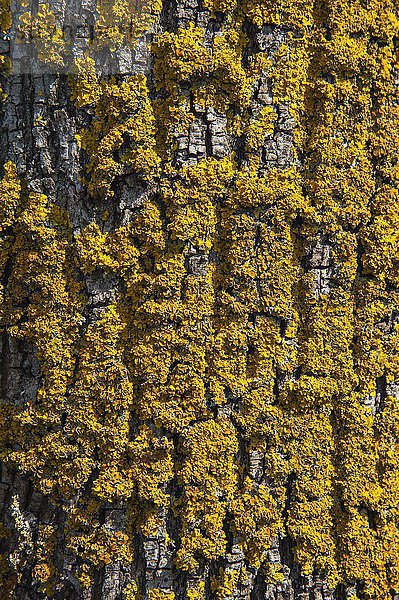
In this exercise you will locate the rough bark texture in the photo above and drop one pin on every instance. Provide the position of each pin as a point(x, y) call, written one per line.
point(199, 300)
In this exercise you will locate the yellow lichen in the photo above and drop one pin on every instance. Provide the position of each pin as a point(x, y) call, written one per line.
point(84, 82)
point(224, 585)
point(208, 475)
point(123, 115)
point(5, 15)
point(42, 30)
point(124, 21)
point(159, 594)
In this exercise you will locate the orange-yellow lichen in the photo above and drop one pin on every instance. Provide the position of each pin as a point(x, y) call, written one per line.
point(208, 475)
point(123, 116)
point(5, 15)
point(159, 594)
point(124, 21)
point(42, 31)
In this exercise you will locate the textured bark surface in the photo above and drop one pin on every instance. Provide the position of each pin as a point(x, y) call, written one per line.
point(200, 301)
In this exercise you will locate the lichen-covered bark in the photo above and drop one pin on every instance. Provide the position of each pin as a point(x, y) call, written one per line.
point(199, 252)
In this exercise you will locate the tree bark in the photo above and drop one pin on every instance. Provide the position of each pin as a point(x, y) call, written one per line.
point(199, 300)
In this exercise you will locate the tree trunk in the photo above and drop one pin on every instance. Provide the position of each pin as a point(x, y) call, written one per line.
point(199, 229)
